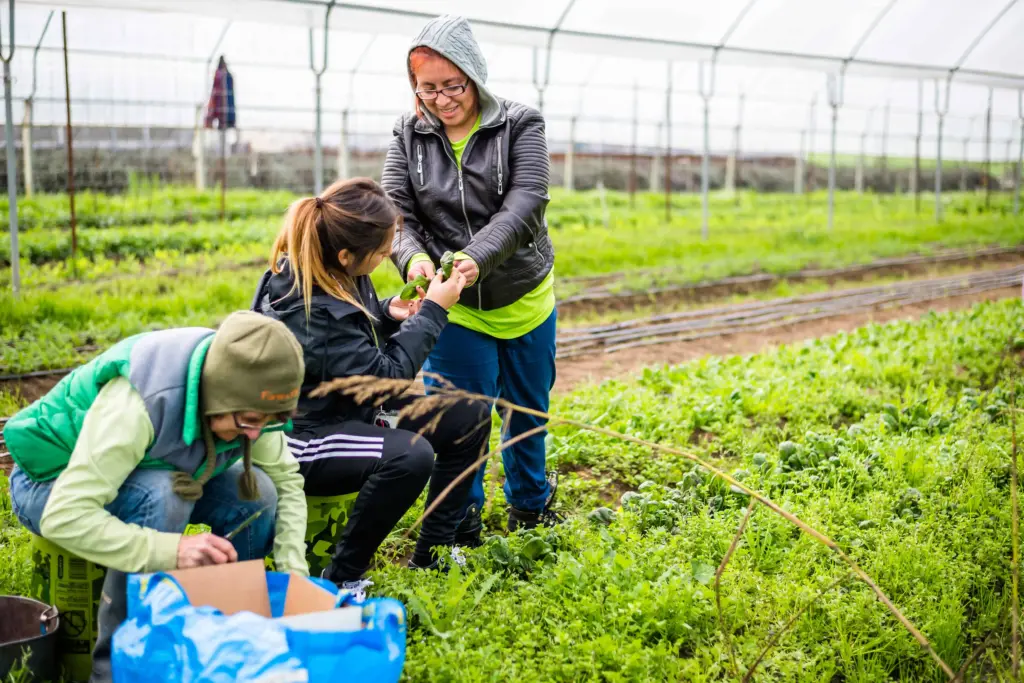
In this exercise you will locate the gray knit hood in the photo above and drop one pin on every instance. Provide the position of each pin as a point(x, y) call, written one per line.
point(452, 37)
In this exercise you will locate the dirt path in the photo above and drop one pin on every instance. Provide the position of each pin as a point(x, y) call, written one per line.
point(700, 293)
point(581, 370)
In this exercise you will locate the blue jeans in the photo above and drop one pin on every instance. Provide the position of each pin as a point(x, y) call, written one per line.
point(521, 371)
point(145, 498)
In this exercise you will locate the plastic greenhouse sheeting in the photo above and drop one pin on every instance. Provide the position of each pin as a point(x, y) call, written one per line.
point(144, 62)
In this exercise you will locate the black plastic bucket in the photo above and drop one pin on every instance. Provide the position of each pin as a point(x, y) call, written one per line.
point(28, 625)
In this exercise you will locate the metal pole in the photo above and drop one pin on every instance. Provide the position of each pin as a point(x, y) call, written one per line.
point(1008, 155)
point(1020, 155)
point(344, 148)
point(798, 169)
point(941, 109)
point(810, 147)
point(537, 82)
point(835, 100)
point(917, 147)
point(632, 152)
point(655, 179)
point(668, 145)
point(26, 128)
point(570, 157)
point(344, 154)
point(200, 130)
point(318, 151)
point(885, 149)
point(736, 179)
point(858, 180)
point(963, 160)
point(988, 152)
point(223, 168)
point(71, 155)
point(12, 178)
point(707, 91)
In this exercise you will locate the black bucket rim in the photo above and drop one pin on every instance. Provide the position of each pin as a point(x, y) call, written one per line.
point(52, 622)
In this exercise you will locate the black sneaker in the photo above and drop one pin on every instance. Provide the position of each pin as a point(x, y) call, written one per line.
point(455, 556)
point(357, 587)
point(468, 532)
point(521, 519)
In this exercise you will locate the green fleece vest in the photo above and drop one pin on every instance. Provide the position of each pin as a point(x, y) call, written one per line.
point(164, 368)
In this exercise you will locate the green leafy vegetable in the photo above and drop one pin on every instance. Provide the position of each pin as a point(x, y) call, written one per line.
point(409, 291)
point(447, 262)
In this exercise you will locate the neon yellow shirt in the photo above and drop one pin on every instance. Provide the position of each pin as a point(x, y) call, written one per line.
point(509, 322)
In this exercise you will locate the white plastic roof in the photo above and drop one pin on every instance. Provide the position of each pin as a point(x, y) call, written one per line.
point(138, 62)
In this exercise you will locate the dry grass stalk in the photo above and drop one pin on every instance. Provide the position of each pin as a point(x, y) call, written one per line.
point(468, 471)
point(980, 649)
point(364, 388)
point(718, 581)
point(761, 498)
point(492, 489)
point(789, 624)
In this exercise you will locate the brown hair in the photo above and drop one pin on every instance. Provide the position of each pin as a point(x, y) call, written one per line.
point(353, 214)
point(419, 56)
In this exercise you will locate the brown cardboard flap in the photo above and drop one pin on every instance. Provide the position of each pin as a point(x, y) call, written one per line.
point(233, 587)
point(305, 596)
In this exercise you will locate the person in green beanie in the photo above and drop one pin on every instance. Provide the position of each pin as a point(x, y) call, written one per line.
point(162, 430)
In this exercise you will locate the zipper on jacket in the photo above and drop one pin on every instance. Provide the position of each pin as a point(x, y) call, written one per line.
point(462, 193)
point(462, 199)
point(500, 174)
point(419, 162)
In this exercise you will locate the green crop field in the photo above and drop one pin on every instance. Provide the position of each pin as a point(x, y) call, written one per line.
point(133, 277)
point(894, 441)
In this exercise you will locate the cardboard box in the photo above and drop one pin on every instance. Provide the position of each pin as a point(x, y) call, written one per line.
point(242, 587)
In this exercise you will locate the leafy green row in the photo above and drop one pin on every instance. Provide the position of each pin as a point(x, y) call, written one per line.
point(152, 205)
point(43, 328)
point(138, 243)
point(903, 437)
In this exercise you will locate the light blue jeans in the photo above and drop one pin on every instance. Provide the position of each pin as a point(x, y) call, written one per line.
point(146, 498)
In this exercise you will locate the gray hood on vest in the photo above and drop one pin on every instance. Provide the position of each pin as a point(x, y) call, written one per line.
point(452, 37)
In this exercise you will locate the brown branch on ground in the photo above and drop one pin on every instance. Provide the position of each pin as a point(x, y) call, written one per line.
point(718, 581)
point(468, 471)
point(980, 649)
point(761, 498)
point(789, 624)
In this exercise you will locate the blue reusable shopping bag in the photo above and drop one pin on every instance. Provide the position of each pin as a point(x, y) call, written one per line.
point(166, 639)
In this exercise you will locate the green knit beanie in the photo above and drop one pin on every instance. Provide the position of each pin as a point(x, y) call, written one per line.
point(254, 364)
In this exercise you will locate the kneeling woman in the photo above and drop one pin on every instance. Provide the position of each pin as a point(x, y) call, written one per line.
point(162, 429)
point(319, 286)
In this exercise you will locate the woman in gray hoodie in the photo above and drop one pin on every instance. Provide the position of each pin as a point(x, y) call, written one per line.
point(469, 171)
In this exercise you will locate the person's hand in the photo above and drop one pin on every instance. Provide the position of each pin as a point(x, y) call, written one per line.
point(424, 268)
point(403, 310)
point(468, 268)
point(445, 294)
point(204, 549)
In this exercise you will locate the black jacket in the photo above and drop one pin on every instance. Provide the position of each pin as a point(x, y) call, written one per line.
point(339, 340)
point(493, 209)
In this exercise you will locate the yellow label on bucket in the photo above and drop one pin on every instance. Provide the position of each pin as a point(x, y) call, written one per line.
point(74, 586)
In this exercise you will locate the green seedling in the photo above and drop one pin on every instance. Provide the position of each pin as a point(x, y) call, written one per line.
point(409, 291)
point(447, 262)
